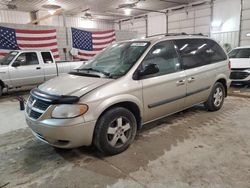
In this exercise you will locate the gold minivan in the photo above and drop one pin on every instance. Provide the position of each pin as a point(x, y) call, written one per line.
point(129, 84)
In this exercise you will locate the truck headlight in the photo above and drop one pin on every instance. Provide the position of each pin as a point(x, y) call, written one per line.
point(65, 111)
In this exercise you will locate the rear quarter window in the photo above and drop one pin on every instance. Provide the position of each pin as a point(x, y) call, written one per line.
point(199, 52)
point(47, 58)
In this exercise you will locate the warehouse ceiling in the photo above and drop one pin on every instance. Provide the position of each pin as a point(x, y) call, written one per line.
point(105, 9)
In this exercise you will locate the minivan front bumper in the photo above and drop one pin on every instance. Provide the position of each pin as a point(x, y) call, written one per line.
point(63, 136)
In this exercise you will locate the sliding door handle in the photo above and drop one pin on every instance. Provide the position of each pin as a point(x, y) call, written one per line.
point(192, 79)
point(180, 82)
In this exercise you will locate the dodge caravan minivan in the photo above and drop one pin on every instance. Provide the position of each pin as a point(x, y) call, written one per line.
point(129, 84)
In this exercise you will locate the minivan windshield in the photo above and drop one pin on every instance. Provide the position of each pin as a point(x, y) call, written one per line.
point(8, 58)
point(116, 60)
point(240, 53)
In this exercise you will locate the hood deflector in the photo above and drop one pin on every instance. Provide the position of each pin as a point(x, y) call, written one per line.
point(54, 99)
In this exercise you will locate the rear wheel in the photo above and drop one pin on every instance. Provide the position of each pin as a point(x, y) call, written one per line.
point(115, 131)
point(216, 97)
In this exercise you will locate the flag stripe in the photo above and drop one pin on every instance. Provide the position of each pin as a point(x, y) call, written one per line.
point(37, 45)
point(98, 37)
point(86, 54)
point(102, 32)
point(37, 42)
point(25, 31)
point(35, 38)
point(35, 35)
point(54, 50)
point(104, 43)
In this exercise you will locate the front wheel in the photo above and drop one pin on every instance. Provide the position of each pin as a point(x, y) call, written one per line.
point(216, 97)
point(115, 131)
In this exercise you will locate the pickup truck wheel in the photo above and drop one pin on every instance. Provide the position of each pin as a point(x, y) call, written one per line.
point(115, 131)
point(216, 97)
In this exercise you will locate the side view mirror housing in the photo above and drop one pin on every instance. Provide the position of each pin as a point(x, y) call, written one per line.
point(149, 69)
point(16, 64)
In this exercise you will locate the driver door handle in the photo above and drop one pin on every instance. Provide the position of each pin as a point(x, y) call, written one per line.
point(180, 82)
point(38, 68)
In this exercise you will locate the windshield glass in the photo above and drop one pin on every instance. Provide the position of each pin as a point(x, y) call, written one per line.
point(240, 53)
point(116, 60)
point(8, 58)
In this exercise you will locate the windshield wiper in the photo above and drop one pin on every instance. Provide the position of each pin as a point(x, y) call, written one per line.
point(95, 70)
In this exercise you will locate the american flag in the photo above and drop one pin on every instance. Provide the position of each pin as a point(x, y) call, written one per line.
point(87, 44)
point(18, 39)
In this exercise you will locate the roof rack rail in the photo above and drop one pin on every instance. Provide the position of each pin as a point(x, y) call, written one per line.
point(177, 34)
point(183, 33)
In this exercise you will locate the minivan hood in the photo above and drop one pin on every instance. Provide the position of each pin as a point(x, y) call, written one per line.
point(72, 85)
point(240, 63)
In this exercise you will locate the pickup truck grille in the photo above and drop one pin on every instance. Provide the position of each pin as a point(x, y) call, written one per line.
point(36, 107)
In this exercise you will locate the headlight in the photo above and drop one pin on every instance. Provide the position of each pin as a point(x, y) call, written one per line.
point(69, 111)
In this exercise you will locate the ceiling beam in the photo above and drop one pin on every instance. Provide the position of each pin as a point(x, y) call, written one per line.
point(148, 10)
point(59, 11)
point(178, 3)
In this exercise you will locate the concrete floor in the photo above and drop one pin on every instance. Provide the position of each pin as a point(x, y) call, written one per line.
point(194, 148)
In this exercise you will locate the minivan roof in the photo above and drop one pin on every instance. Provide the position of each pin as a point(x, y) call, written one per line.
point(168, 37)
point(242, 47)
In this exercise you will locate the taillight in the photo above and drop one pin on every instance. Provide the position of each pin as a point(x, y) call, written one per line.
point(229, 65)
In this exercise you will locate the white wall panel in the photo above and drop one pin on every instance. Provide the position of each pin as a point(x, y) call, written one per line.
point(245, 23)
point(9, 16)
point(231, 38)
point(137, 25)
point(193, 20)
point(228, 13)
point(157, 23)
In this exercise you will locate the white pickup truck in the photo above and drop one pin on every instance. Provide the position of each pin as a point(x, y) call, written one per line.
point(30, 67)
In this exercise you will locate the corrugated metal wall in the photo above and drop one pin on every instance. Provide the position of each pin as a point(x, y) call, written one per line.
point(245, 23)
point(195, 20)
point(18, 17)
point(231, 38)
point(138, 25)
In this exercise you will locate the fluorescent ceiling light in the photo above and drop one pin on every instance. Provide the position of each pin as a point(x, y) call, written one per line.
point(248, 34)
point(127, 11)
point(52, 12)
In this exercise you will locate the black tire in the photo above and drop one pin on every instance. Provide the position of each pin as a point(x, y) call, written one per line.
point(216, 100)
point(1, 90)
point(116, 121)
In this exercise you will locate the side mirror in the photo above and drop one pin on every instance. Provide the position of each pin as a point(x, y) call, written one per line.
point(149, 69)
point(16, 63)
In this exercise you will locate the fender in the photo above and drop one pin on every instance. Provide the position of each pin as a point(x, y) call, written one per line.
point(112, 101)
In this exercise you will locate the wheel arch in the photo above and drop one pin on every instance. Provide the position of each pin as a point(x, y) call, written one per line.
point(2, 84)
point(134, 106)
point(223, 81)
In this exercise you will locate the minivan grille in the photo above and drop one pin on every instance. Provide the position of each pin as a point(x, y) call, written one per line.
point(239, 75)
point(36, 107)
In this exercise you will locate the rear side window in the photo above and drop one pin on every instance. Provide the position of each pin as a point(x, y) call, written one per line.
point(240, 53)
point(47, 58)
point(199, 52)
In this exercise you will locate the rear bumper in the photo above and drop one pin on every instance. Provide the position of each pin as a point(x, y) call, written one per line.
point(66, 136)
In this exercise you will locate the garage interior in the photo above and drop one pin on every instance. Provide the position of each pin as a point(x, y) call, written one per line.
point(193, 148)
